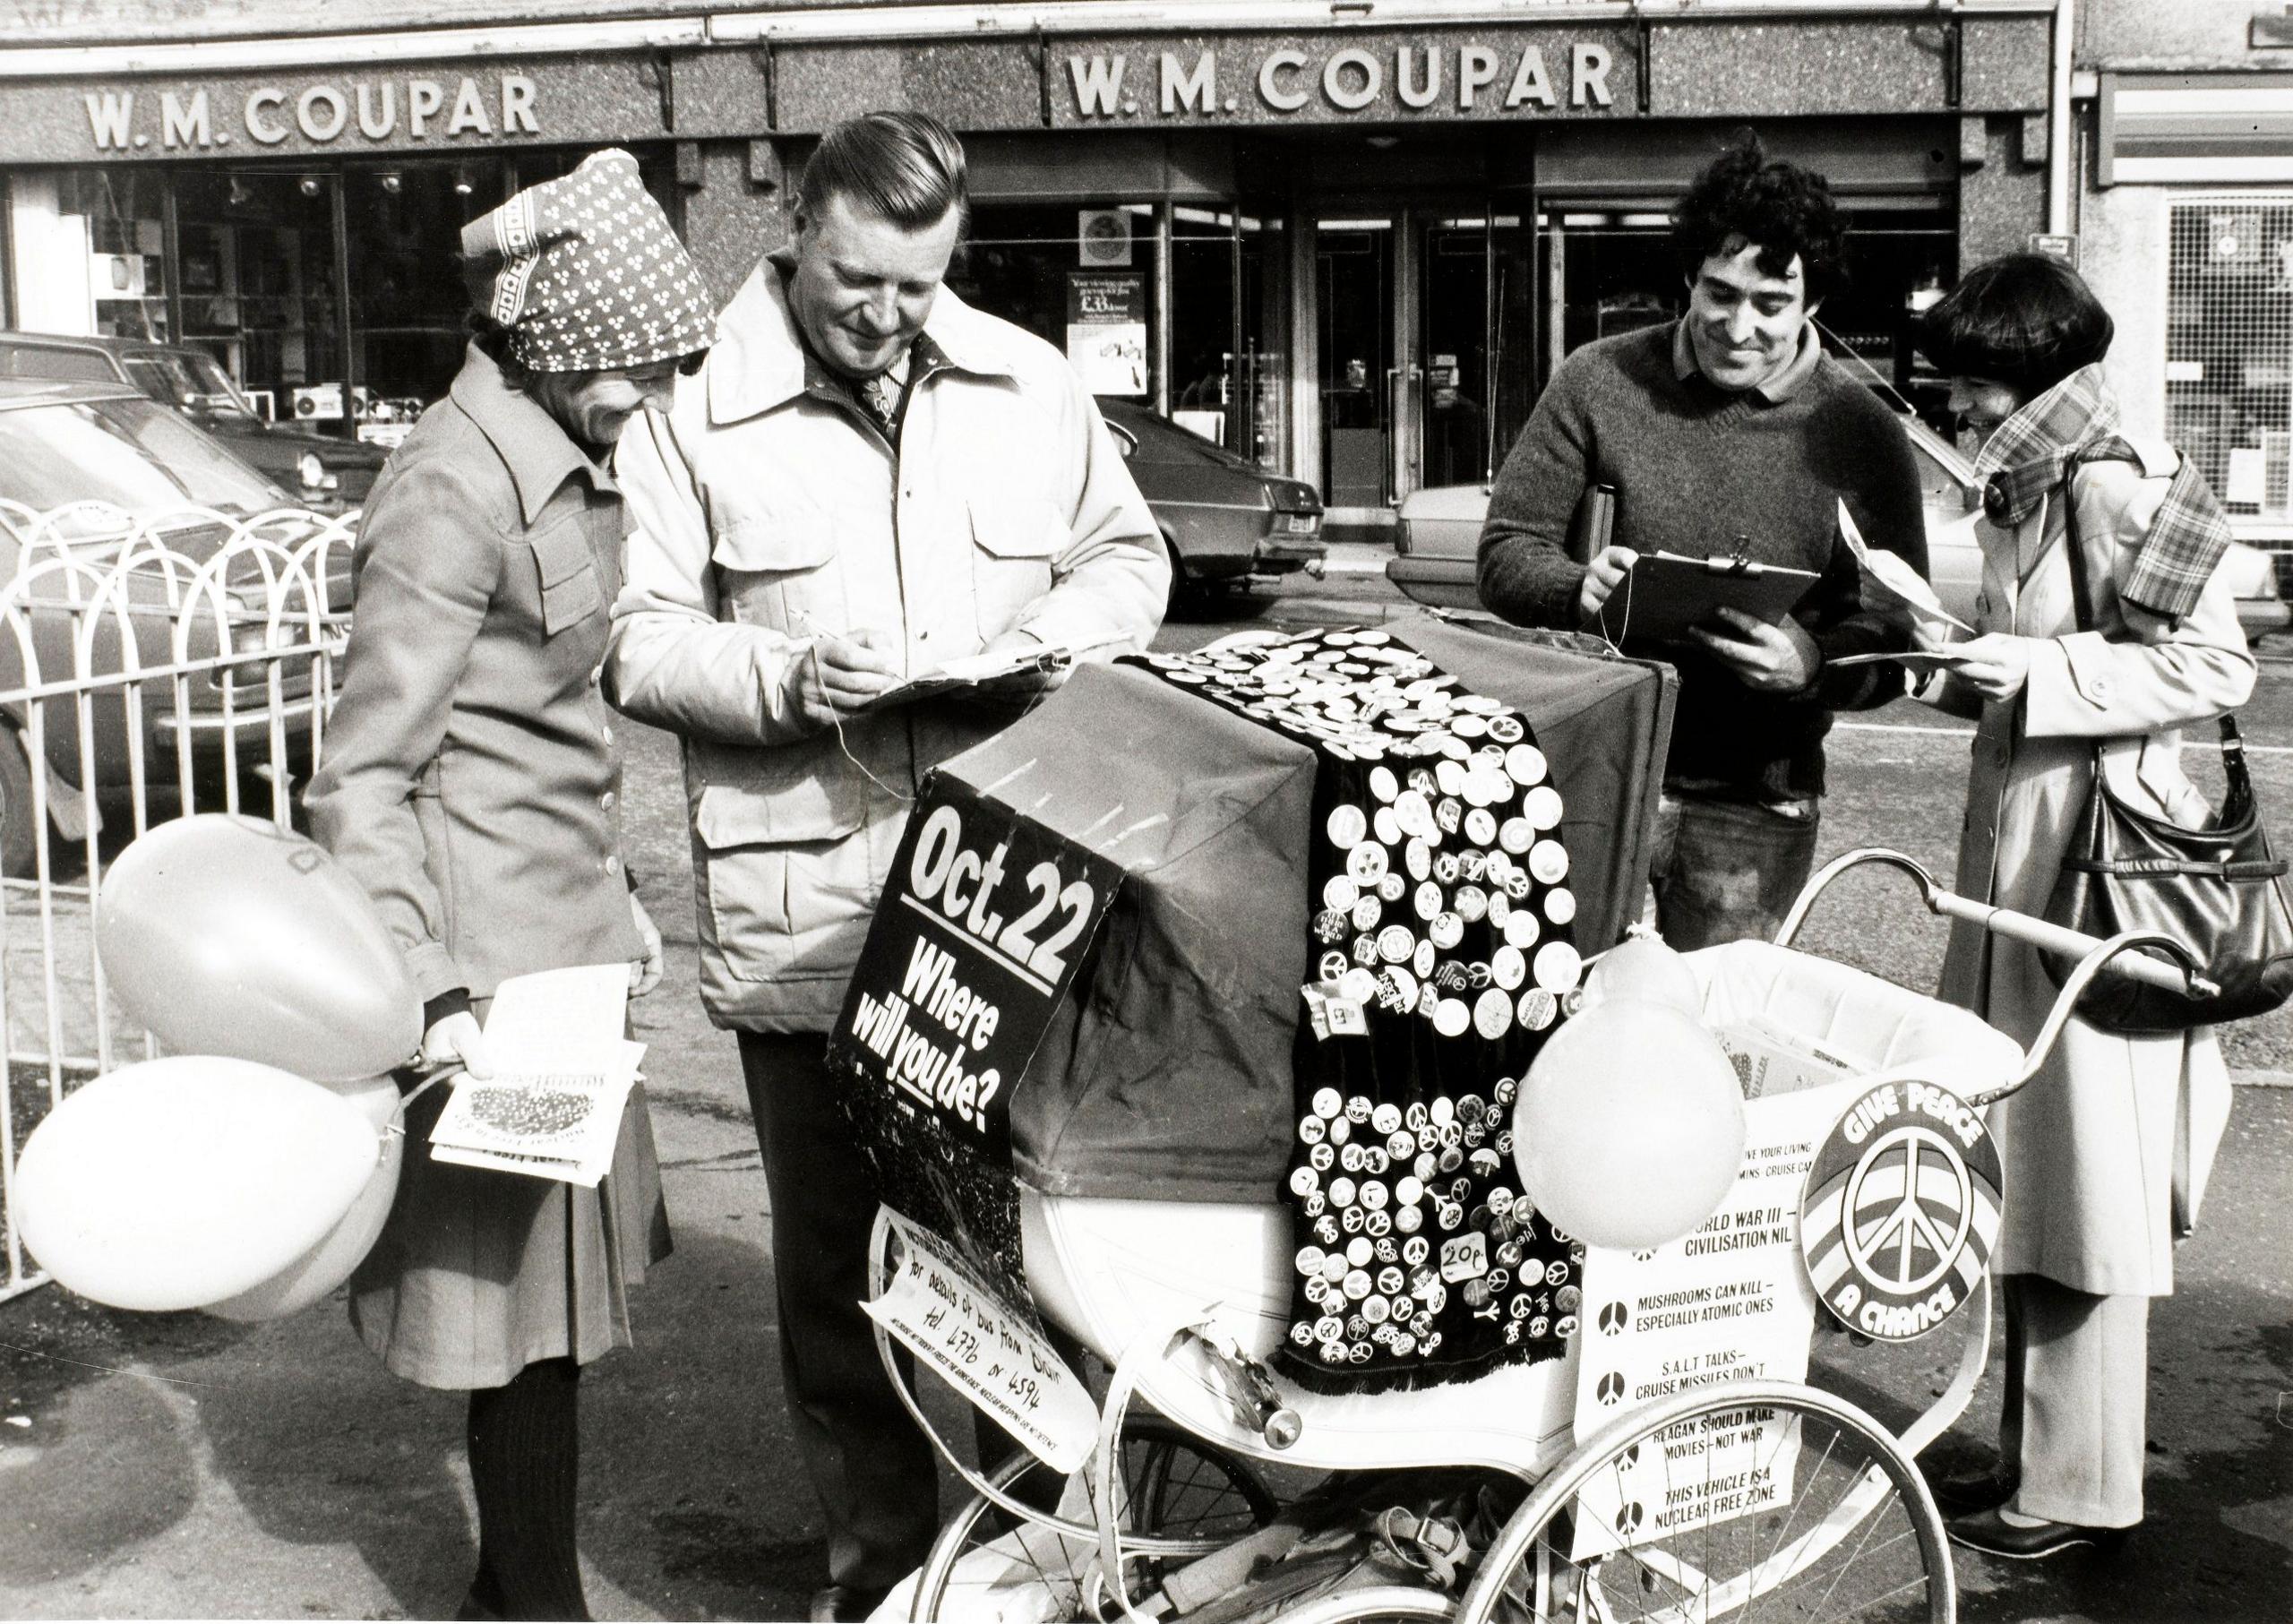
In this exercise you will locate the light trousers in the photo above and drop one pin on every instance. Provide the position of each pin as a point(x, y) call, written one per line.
point(2077, 1401)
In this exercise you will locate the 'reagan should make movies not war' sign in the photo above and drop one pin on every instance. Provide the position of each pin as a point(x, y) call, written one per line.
point(983, 922)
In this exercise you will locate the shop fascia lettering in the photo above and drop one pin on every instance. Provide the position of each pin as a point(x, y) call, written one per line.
point(1469, 78)
point(374, 110)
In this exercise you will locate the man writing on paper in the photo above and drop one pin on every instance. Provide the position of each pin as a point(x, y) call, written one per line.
point(871, 478)
point(1726, 432)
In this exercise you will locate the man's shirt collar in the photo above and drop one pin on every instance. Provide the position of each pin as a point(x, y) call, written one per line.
point(1776, 389)
point(533, 445)
point(761, 359)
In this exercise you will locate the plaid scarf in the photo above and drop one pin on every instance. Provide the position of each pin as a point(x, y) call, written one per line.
point(2035, 451)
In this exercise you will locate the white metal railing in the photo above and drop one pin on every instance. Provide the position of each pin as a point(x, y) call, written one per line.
point(150, 668)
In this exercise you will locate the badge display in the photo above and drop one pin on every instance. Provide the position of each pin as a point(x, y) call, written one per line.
point(1435, 871)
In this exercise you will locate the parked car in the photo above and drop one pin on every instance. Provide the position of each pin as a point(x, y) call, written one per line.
point(325, 474)
point(133, 466)
point(1226, 521)
point(1439, 536)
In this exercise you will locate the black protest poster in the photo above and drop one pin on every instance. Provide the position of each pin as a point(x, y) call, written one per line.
point(985, 920)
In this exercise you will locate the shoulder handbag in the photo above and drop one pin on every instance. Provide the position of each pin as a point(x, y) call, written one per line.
point(2215, 889)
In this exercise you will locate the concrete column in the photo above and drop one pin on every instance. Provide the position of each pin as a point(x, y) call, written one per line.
point(2122, 255)
point(738, 212)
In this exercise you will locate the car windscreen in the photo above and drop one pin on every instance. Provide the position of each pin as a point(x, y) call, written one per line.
point(132, 455)
point(193, 382)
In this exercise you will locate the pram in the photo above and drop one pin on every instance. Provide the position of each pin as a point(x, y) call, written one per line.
point(1205, 1451)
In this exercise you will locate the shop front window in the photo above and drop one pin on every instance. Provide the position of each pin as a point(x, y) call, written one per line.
point(256, 253)
point(125, 215)
point(1081, 278)
point(1616, 272)
point(1086, 276)
point(2229, 354)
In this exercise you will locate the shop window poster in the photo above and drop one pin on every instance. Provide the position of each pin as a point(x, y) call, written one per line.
point(1106, 330)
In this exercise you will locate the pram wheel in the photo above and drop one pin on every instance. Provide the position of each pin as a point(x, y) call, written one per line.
point(1847, 1531)
point(1372, 1607)
point(1184, 1492)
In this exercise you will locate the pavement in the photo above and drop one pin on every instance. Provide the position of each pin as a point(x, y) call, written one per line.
point(178, 1466)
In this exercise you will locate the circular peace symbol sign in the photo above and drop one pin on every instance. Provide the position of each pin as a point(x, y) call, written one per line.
point(1909, 1208)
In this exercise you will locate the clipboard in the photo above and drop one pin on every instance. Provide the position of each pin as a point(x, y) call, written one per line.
point(1665, 594)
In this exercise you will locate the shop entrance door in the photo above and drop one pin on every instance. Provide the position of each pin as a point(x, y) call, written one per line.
point(1423, 356)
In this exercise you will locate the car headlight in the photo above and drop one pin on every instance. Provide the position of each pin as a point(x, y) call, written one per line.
point(312, 472)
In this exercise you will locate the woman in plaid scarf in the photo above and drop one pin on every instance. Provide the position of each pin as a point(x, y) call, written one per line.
point(2106, 1151)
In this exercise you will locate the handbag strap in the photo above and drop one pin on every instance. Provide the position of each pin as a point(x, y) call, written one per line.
point(2085, 615)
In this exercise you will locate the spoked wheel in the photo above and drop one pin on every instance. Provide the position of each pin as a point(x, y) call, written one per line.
point(1372, 1607)
point(1187, 1494)
point(1765, 1501)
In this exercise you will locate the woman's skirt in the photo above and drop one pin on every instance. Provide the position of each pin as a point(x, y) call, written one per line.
point(479, 1272)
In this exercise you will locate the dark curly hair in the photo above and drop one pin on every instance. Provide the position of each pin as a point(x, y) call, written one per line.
point(1787, 212)
point(2024, 320)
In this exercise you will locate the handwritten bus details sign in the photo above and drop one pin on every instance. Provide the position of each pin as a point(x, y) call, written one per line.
point(952, 1320)
point(984, 922)
point(1729, 1302)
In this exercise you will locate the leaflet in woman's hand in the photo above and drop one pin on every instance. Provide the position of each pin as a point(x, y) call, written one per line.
point(1889, 578)
point(560, 1074)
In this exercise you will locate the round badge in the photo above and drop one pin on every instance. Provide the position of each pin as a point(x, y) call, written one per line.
point(1427, 900)
point(1332, 965)
point(1500, 907)
point(1303, 1180)
point(1340, 893)
point(1395, 943)
point(1557, 967)
point(1328, 1102)
point(1525, 764)
point(1451, 1018)
point(1372, 1194)
point(1520, 929)
point(1508, 969)
point(1447, 868)
point(1507, 729)
point(1473, 904)
point(1449, 777)
point(1348, 825)
point(1367, 911)
point(1357, 985)
point(1366, 862)
point(1396, 980)
point(1312, 1130)
point(1493, 1014)
point(1422, 960)
point(1515, 836)
point(1480, 826)
point(1348, 1158)
point(1561, 906)
point(1415, 812)
point(1386, 1118)
point(1542, 807)
point(1356, 1283)
point(1322, 1156)
point(1549, 862)
point(1444, 932)
point(1357, 1108)
point(1383, 784)
point(1340, 1192)
point(1358, 1254)
point(1386, 826)
point(1538, 1009)
point(1448, 816)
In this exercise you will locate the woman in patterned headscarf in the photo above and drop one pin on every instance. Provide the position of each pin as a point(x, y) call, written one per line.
point(471, 783)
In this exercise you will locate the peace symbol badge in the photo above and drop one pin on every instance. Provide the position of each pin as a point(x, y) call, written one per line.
point(1900, 1211)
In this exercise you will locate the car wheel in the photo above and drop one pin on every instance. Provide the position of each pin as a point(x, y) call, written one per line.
point(19, 840)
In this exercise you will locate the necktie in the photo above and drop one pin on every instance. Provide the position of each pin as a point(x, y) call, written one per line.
point(883, 402)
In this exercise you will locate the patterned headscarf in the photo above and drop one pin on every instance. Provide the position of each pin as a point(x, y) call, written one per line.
point(2076, 421)
point(586, 274)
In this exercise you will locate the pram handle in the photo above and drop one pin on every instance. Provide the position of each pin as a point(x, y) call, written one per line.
point(2118, 955)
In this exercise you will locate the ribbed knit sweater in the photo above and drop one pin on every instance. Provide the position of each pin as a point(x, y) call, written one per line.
point(1697, 471)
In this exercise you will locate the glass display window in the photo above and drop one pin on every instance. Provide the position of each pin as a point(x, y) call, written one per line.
point(2229, 353)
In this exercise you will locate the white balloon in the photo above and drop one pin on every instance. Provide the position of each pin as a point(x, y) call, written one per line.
point(1644, 967)
point(315, 1275)
point(1629, 1127)
point(178, 1182)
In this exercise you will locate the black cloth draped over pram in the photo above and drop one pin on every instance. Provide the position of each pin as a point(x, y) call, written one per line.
point(1176, 1068)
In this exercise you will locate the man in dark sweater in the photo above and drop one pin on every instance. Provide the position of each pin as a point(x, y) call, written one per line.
point(1726, 432)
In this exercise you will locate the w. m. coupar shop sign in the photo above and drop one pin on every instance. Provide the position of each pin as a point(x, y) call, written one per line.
point(1347, 76)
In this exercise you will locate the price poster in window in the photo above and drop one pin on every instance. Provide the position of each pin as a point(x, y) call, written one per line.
point(983, 922)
